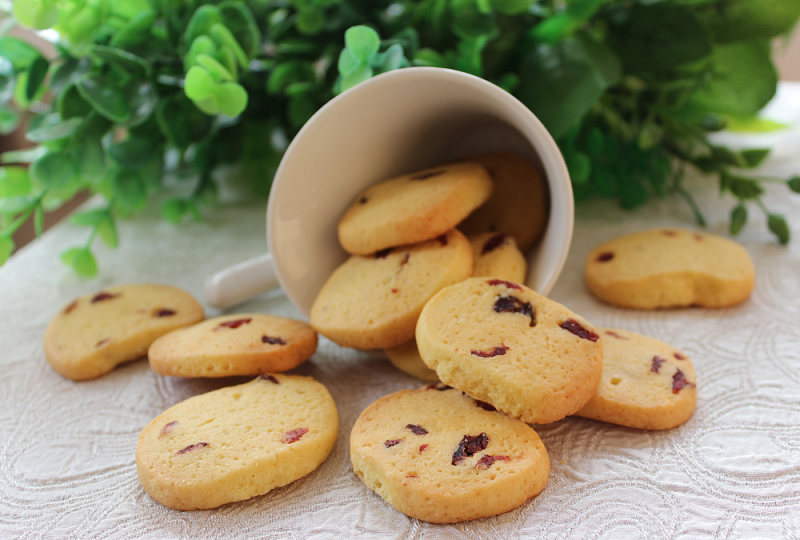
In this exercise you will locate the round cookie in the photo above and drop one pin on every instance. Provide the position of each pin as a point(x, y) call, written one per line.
point(518, 205)
point(662, 268)
point(440, 456)
point(406, 358)
point(413, 208)
point(373, 302)
point(503, 343)
point(236, 344)
point(497, 255)
point(237, 442)
point(95, 333)
point(645, 384)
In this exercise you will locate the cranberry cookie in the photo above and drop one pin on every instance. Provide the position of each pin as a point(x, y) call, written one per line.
point(497, 255)
point(406, 358)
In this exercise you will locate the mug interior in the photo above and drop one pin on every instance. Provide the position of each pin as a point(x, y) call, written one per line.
point(396, 123)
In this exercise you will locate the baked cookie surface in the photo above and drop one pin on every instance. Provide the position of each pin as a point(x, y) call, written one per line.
point(646, 383)
point(666, 267)
point(503, 343)
point(519, 203)
point(237, 442)
point(413, 208)
point(235, 344)
point(95, 333)
point(497, 255)
point(373, 302)
point(440, 456)
point(406, 358)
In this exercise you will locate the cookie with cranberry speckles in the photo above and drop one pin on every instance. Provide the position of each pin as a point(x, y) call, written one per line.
point(413, 208)
point(373, 302)
point(237, 442)
point(663, 268)
point(497, 255)
point(234, 344)
point(503, 343)
point(95, 333)
point(440, 456)
point(646, 383)
point(518, 205)
point(406, 358)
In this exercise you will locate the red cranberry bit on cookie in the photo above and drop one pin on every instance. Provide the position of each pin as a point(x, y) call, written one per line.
point(103, 296)
point(509, 284)
point(438, 386)
point(405, 259)
point(102, 342)
point(486, 461)
point(293, 436)
point(679, 356)
point(426, 175)
point(236, 323)
point(272, 340)
point(164, 312)
point(168, 427)
point(493, 243)
point(616, 335)
point(70, 308)
point(605, 256)
point(193, 447)
point(442, 239)
point(395, 290)
point(571, 325)
point(362, 200)
point(412, 475)
point(469, 445)
point(422, 448)
point(698, 237)
point(655, 365)
point(485, 406)
point(270, 378)
point(383, 253)
point(512, 304)
point(392, 442)
point(416, 429)
point(679, 382)
point(497, 351)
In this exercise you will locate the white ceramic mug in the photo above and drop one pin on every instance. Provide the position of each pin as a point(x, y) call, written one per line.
point(394, 123)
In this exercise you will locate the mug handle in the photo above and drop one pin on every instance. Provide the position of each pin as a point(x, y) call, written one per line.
point(241, 282)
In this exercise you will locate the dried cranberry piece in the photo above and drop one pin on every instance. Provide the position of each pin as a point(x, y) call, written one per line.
point(363, 200)
point(395, 290)
point(293, 436)
point(605, 256)
point(70, 308)
point(484, 405)
point(381, 254)
point(102, 342)
point(272, 340)
point(422, 448)
point(679, 356)
point(512, 304)
point(164, 312)
point(270, 378)
point(616, 335)
point(405, 259)
point(392, 442)
point(486, 461)
point(679, 381)
point(412, 475)
point(426, 175)
point(698, 237)
point(167, 428)
point(493, 243)
point(193, 447)
point(509, 284)
point(438, 386)
point(571, 325)
point(469, 445)
point(103, 296)
point(417, 429)
point(497, 351)
point(655, 365)
point(233, 324)
point(442, 238)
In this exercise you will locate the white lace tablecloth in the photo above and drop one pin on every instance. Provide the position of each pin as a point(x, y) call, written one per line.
point(67, 449)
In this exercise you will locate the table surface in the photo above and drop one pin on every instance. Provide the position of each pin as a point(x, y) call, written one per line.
point(67, 464)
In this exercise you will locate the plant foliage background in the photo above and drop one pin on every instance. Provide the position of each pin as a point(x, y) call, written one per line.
point(147, 99)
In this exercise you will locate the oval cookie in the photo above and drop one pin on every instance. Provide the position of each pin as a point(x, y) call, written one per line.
point(374, 302)
point(645, 384)
point(518, 205)
point(663, 268)
point(503, 343)
point(237, 344)
point(236, 442)
point(497, 255)
point(440, 456)
point(97, 332)
point(413, 208)
point(406, 358)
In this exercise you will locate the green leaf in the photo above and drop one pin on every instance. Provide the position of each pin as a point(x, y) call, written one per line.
point(72, 105)
point(754, 156)
point(217, 71)
point(794, 184)
point(748, 19)
point(108, 232)
point(103, 94)
point(14, 181)
point(738, 218)
point(225, 39)
point(232, 99)
point(199, 84)
point(743, 79)
point(389, 60)
point(201, 22)
point(290, 72)
point(201, 45)
point(347, 62)
point(132, 151)
point(25, 155)
point(240, 21)
point(181, 122)
point(355, 77)
point(511, 7)
point(752, 124)
point(135, 32)
point(38, 220)
point(89, 218)
point(777, 224)
point(469, 22)
point(310, 21)
point(744, 188)
point(362, 41)
point(53, 128)
point(81, 260)
point(128, 189)
point(15, 205)
point(132, 63)
point(18, 52)
point(6, 248)
point(66, 73)
point(38, 14)
point(54, 170)
point(173, 210)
